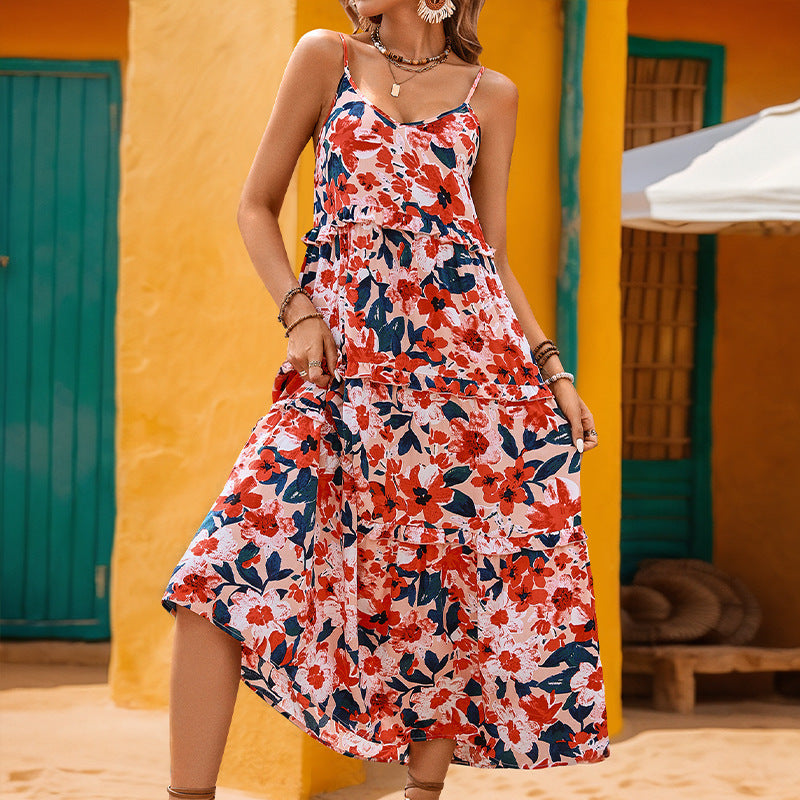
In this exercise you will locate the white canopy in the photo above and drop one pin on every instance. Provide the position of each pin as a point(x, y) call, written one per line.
point(740, 176)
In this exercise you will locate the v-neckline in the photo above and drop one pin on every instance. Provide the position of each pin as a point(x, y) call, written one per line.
point(464, 105)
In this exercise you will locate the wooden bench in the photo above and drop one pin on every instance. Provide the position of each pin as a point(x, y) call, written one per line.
point(673, 667)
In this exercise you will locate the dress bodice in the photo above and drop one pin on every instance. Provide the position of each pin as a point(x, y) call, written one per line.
point(407, 175)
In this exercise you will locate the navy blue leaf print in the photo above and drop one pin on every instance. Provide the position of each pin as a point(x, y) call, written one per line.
point(445, 154)
point(550, 467)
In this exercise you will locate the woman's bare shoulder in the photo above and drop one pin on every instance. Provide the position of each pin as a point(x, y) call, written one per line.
point(319, 48)
point(498, 88)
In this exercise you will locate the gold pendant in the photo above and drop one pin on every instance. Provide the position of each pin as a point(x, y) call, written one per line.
point(395, 89)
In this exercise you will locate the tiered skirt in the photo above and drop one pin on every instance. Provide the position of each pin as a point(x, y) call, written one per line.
point(401, 553)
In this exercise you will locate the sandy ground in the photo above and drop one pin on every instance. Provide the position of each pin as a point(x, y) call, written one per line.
point(62, 737)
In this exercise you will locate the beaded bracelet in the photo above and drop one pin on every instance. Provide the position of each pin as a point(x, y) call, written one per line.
point(541, 345)
point(287, 297)
point(545, 354)
point(307, 316)
point(553, 378)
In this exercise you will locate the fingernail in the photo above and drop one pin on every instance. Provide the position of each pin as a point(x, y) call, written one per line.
point(579, 445)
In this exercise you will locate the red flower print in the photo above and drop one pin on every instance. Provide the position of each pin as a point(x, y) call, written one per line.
point(265, 466)
point(539, 416)
point(412, 162)
point(404, 292)
point(448, 192)
point(196, 588)
point(471, 336)
point(502, 368)
point(556, 510)
point(511, 490)
point(306, 432)
point(407, 363)
point(505, 346)
point(261, 521)
point(241, 496)
point(405, 634)
point(434, 304)
point(259, 615)
point(205, 546)
point(420, 495)
point(340, 191)
point(541, 571)
point(316, 677)
point(368, 181)
point(543, 710)
point(381, 702)
point(510, 661)
point(522, 591)
point(432, 344)
point(563, 599)
point(371, 665)
point(469, 443)
point(499, 617)
point(450, 565)
point(489, 481)
point(384, 504)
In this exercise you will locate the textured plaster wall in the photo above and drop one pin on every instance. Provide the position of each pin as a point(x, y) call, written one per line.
point(756, 380)
point(198, 342)
point(80, 29)
point(599, 332)
point(530, 54)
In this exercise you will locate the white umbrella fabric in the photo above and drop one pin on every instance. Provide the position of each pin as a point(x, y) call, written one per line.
point(739, 176)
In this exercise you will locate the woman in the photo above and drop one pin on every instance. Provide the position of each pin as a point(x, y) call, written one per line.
point(397, 562)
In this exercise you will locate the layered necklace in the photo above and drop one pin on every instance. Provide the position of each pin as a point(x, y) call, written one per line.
point(414, 65)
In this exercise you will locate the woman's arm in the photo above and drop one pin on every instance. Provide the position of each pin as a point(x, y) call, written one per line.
point(303, 98)
point(496, 103)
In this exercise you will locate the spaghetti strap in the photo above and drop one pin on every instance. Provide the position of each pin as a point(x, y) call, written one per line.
point(475, 84)
point(344, 45)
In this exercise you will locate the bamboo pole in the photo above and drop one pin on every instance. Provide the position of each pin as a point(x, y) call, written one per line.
point(569, 148)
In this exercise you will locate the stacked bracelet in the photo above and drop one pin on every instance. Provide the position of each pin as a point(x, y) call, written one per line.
point(287, 297)
point(545, 354)
point(548, 348)
point(307, 316)
point(553, 378)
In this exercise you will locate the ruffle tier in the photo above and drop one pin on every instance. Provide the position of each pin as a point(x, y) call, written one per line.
point(462, 231)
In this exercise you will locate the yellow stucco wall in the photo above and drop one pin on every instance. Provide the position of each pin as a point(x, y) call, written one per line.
point(198, 342)
point(756, 380)
point(80, 29)
point(530, 54)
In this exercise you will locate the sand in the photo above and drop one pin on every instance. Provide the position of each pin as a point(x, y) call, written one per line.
point(62, 737)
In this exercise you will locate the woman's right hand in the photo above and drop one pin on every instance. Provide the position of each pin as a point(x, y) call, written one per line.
point(310, 340)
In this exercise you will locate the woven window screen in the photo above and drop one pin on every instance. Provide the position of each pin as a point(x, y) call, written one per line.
point(658, 275)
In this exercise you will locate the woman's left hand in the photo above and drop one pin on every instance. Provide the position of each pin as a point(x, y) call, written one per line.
point(576, 411)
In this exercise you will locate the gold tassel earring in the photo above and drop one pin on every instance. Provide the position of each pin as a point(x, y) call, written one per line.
point(435, 10)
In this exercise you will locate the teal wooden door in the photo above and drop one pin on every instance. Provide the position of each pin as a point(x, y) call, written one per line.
point(668, 300)
point(59, 177)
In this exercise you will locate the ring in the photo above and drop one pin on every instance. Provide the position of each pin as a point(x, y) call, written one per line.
point(303, 372)
point(591, 432)
point(315, 363)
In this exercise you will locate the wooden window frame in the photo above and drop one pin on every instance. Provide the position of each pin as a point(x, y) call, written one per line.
point(701, 543)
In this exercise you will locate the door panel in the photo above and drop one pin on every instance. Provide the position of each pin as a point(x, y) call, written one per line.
point(59, 148)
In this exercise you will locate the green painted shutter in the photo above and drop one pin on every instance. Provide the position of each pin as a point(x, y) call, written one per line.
point(59, 140)
point(667, 282)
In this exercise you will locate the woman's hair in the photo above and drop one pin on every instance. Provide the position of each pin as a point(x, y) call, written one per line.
point(461, 27)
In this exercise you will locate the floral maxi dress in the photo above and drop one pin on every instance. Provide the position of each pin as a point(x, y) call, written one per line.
point(401, 553)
